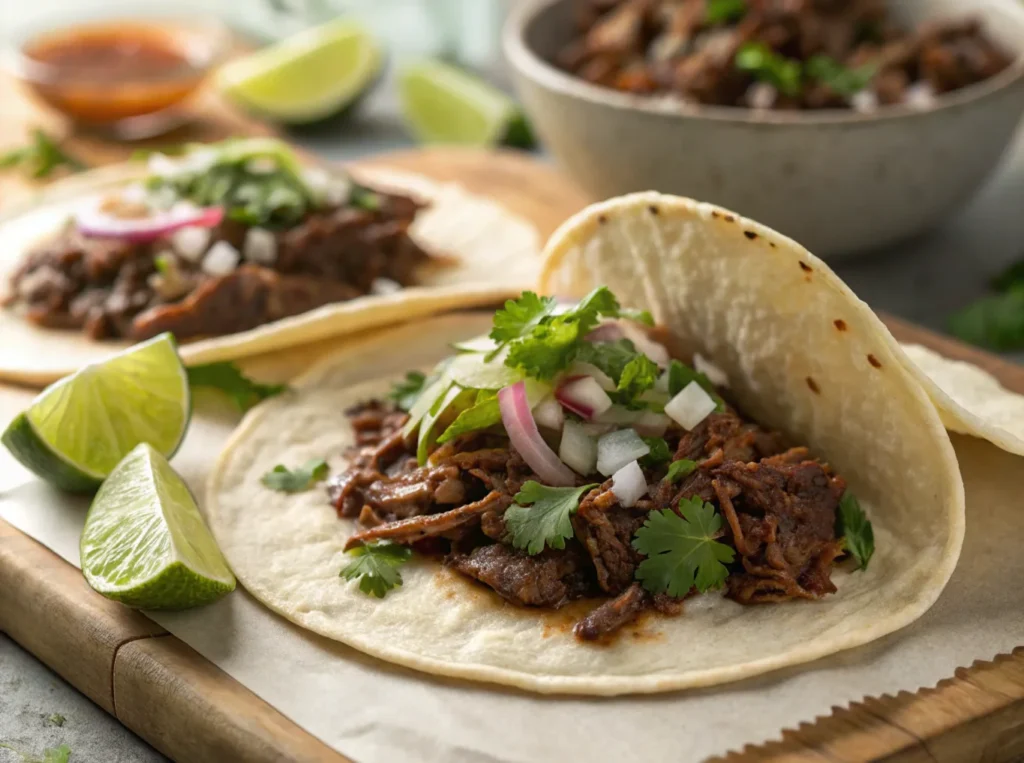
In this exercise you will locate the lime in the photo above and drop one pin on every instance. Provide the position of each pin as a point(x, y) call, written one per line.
point(308, 76)
point(78, 429)
point(443, 104)
point(145, 543)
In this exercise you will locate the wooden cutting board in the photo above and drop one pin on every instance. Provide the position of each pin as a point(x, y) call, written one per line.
point(192, 711)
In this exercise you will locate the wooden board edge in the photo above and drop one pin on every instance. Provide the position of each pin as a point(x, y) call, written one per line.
point(48, 608)
point(161, 686)
point(978, 714)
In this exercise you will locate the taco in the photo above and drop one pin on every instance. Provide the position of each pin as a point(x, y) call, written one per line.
point(238, 248)
point(565, 498)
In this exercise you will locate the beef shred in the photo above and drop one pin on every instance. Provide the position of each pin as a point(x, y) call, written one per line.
point(778, 506)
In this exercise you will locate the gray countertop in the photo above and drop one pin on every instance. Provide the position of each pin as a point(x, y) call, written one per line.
point(922, 280)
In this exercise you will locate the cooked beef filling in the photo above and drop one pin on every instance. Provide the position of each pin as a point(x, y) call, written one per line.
point(781, 54)
point(113, 288)
point(778, 504)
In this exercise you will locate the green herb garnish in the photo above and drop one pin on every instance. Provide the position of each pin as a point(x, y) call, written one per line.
point(50, 755)
point(681, 551)
point(376, 565)
point(637, 377)
point(1010, 278)
point(853, 527)
point(724, 11)
point(406, 392)
point(679, 469)
point(56, 719)
point(660, 452)
point(40, 158)
point(541, 516)
point(995, 322)
point(484, 413)
point(784, 74)
point(840, 79)
point(226, 377)
point(297, 480)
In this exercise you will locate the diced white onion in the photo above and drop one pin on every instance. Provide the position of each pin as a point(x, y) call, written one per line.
point(637, 334)
point(384, 286)
point(594, 429)
point(619, 415)
point(136, 193)
point(920, 95)
point(578, 450)
point(715, 375)
point(191, 242)
point(199, 160)
point(221, 259)
point(262, 165)
point(162, 165)
point(651, 424)
point(616, 449)
point(629, 484)
point(761, 95)
point(316, 179)
point(548, 413)
point(584, 397)
point(864, 101)
point(691, 406)
point(577, 368)
point(338, 190)
point(260, 246)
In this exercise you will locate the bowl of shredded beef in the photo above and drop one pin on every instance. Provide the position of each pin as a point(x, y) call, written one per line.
point(847, 124)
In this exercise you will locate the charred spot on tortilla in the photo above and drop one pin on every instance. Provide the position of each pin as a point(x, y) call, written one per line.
point(840, 324)
point(813, 385)
point(653, 208)
point(602, 219)
point(715, 213)
point(750, 234)
point(729, 218)
point(805, 267)
point(874, 361)
point(771, 244)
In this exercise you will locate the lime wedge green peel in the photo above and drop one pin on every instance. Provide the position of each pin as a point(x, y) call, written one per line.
point(145, 543)
point(307, 77)
point(444, 104)
point(78, 429)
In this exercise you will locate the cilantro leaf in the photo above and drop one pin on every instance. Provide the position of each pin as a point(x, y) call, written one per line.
point(295, 480)
point(484, 413)
point(840, 79)
point(364, 198)
point(227, 377)
point(405, 392)
point(681, 551)
point(610, 357)
point(546, 521)
point(784, 74)
point(638, 376)
point(679, 469)
point(1010, 278)
point(680, 375)
point(520, 316)
point(40, 158)
point(853, 526)
point(548, 349)
point(724, 11)
point(599, 302)
point(660, 452)
point(376, 565)
point(995, 322)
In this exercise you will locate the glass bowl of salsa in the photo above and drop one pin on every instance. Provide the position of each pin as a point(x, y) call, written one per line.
point(126, 73)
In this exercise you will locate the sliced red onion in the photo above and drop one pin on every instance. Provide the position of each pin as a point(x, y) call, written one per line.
point(221, 259)
point(629, 484)
point(577, 368)
point(616, 449)
point(691, 406)
point(260, 246)
point(93, 222)
point(522, 431)
point(583, 396)
point(715, 375)
point(548, 413)
point(578, 449)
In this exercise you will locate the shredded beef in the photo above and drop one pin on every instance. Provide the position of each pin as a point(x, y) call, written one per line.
point(111, 288)
point(613, 614)
point(549, 579)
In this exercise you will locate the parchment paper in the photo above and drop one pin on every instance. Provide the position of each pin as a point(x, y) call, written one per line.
point(371, 711)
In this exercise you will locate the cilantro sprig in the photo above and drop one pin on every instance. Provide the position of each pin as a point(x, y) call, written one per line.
point(724, 11)
point(541, 516)
point(229, 379)
point(296, 480)
point(406, 392)
point(375, 566)
point(679, 469)
point(843, 80)
point(853, 527)
point(995, 322)
point(681, 550)
point(660, 452)
point(41, 157)
point(765, 65)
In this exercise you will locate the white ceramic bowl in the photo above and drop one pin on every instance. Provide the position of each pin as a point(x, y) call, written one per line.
point(839, 182)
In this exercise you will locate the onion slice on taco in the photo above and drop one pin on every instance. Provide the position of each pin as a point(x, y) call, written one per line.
point(565, 499)
point(238, 248)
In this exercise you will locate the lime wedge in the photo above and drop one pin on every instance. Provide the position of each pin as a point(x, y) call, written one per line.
point(78, 429)
point(145, 543)
point(306, 77)
point(443, 104)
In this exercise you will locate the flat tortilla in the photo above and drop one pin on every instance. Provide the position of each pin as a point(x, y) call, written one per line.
point(497, 254)
point(764, 313)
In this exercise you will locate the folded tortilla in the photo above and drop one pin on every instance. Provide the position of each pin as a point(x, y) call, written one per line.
point(497, 253)
point(802, 355)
